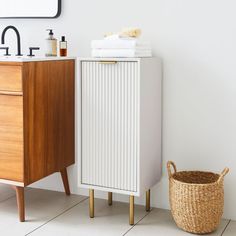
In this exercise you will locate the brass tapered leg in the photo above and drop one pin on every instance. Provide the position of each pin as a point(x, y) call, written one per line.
point(91, 203)
point(131, 210)
point(148, 193)
point(109, 198)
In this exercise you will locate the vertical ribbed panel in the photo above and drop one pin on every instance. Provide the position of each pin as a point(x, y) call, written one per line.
point(110, 98)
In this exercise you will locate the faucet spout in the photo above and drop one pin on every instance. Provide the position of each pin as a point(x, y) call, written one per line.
point(17, 36)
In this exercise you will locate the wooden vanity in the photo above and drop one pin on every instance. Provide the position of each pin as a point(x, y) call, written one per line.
point(36, 122)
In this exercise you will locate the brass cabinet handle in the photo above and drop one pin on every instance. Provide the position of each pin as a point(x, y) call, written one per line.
point(108, 62)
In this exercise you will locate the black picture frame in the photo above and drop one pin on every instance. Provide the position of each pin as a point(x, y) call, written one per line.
point(39, 17)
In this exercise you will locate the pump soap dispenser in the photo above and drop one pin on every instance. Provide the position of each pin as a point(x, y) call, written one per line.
point(51, 45)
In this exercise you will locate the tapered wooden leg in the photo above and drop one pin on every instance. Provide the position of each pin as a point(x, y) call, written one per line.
point(91, 203)
point(20, 202)
point(131, 210)
point(64, 177)
point(148, 193)
point(109, 198)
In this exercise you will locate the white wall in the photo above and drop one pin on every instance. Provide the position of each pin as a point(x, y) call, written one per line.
point(197, 41)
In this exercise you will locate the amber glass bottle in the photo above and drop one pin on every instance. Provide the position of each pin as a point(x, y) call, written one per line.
point(63, 47)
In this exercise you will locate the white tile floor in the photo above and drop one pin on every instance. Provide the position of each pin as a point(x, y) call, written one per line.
point(51, 213)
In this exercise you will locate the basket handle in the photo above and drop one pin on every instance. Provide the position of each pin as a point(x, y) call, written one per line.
point(169, 165)
point(223, 174)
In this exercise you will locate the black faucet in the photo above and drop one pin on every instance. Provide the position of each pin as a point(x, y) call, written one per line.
point(17, 35)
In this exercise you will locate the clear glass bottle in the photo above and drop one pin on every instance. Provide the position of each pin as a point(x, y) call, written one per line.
point(51, 45)
point(63, 47)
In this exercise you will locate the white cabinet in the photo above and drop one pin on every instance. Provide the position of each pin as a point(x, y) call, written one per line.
point(121, 125)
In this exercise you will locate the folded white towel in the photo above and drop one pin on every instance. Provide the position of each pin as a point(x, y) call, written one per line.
point(120, 43)
point(121, 53)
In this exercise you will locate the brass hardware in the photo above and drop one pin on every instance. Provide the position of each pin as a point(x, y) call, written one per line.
point(108, 62)
point(109, 198)
point(148, 193)
point(131, 210)
point(91, 203)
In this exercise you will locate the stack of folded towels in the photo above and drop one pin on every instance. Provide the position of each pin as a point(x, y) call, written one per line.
point(124, 44)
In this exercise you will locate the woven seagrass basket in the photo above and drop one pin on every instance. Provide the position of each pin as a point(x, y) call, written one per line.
point(196, 199)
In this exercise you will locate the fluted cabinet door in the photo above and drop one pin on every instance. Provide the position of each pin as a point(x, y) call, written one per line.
point(110, 124)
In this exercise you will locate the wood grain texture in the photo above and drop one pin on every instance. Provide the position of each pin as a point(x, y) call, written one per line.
point(20, 197)
point(36, 123)
point(48, 90)
point(13, 93)
point(11, 138)
point(11, 63)
point(10, 78)
point(65, 181)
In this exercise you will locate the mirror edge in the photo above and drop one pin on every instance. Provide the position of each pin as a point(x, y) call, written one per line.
point(38, 17)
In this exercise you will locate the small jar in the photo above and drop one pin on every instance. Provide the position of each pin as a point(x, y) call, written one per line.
point(63, 47)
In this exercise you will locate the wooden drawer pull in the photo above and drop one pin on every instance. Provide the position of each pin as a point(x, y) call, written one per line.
point(11, 93)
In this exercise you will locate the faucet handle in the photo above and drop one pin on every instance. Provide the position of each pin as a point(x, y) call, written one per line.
point(31, 51)
point(7, 51)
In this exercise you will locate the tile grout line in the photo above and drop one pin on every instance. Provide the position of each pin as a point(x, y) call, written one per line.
point(225, 228)
point(12, 196)
point(56, 216)
point(137, 223)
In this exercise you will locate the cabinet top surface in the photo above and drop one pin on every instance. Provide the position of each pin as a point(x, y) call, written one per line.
point(29, 59)
point(113, 58)
point(119, 59)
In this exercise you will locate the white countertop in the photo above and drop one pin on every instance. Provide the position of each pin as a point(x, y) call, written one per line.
point(29, 59)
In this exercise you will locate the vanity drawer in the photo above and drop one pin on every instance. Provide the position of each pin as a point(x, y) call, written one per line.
point(11, 138)
point(10, 78)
